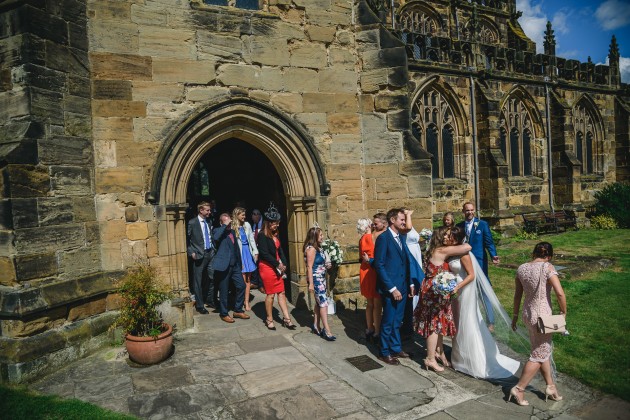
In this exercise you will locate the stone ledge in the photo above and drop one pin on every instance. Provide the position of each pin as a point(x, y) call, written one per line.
point(26, 359)
point(17, 303)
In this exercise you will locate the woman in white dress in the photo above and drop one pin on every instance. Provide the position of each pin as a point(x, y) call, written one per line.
point(475, 351)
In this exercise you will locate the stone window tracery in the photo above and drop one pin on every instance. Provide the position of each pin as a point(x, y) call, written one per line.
point(434, 125)
point(516, 136)
point(586, 145)
point(419, 21)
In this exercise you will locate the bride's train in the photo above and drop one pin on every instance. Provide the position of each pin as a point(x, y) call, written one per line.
point(475, 350)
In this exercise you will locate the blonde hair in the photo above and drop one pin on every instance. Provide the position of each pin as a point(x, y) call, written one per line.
point(363, 225)
point(235, 222)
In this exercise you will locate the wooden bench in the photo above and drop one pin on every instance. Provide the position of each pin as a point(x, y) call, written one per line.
point(562, 219)
point(537, 223)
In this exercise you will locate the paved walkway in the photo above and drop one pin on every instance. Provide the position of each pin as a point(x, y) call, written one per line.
point(243, 371)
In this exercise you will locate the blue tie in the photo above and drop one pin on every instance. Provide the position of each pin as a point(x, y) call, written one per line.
point(206, 234)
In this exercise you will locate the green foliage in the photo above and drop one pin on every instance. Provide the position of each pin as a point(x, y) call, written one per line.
point(141, 293)
point(496, 236)
point(603, 222)
point(526, 236)
point(20, 403)
point(614, 201)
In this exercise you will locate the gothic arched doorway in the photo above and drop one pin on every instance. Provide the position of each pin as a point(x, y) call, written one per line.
point(215, 136)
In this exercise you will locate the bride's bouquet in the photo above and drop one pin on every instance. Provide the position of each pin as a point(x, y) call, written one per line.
point(425, 236)
point(444, 283)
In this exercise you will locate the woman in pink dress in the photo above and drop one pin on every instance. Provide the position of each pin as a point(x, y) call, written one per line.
point(536, 279)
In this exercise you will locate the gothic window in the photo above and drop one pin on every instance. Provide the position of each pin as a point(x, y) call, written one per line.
point(517, 146)
point(418, 21)
point(433, 123)
point(241, 4)
point(200, 180)
point(487, 34)
point(585, 139)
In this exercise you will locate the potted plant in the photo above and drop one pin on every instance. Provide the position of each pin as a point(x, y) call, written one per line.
point(148, 338)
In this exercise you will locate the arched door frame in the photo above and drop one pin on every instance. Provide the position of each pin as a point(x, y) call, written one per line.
point(285, 144)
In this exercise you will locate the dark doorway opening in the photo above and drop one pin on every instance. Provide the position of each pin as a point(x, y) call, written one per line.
point(235, 173)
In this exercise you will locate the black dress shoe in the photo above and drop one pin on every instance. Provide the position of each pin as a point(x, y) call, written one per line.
point(202, 311)
point(389, 360)
point(401, 354)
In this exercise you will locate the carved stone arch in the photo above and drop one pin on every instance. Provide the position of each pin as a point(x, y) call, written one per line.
point(588, 135)
point(420, 17)
point(439, 123)
point(522, 94)
point(282, 141)
point(488, 31)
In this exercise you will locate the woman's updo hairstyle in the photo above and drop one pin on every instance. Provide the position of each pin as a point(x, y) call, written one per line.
point(543, 250)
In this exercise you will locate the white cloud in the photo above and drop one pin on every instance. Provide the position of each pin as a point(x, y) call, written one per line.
point(559, 22)
point(613, 14)
point(533, 22)
point(624, 68)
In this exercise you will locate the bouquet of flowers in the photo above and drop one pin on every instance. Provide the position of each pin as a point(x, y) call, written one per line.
point(444, 283)
point(425, 236)
point(333, 250)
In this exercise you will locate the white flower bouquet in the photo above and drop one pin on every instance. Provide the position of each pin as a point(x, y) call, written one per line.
point(425, 236)
point(444, 283)
point(333, 250)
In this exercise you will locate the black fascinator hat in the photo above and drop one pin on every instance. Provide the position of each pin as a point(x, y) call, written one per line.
point(272, 214)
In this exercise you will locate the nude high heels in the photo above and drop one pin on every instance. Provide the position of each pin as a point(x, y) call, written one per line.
point(552, 393)
point(441, 358)
point(517, 399)
point(432, 363)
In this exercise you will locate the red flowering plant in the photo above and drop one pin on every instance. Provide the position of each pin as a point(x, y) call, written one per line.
point(141, 293)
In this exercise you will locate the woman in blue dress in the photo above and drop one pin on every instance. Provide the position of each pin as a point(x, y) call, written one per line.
point(247, 245)
point(316, 266)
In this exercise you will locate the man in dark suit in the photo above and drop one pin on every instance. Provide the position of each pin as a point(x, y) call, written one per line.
point(391, 261)
point(228, 269)
point(201, 250)
point(479, 237)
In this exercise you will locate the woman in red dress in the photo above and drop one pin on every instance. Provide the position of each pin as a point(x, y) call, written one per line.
point(367, 274)
point(434, 316)
point(272, 266)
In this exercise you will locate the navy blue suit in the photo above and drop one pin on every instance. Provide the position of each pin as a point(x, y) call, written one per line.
point(480, 239)
point(227, 267)
point(391, 262)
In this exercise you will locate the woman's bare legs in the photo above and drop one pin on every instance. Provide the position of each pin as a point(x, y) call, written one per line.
point(323, 314)
point(247, 277)
point(282, 302)
point(269, 307)
point(369, 316)
point(377, 315)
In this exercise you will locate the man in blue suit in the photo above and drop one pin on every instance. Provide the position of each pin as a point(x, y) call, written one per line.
point(391, 261)
point(480, 239)
point(227, 268)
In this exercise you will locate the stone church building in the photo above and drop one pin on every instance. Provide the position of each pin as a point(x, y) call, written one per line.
point(117, 117)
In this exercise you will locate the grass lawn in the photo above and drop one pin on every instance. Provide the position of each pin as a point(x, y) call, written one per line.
point(20, 403)
point(598, 350)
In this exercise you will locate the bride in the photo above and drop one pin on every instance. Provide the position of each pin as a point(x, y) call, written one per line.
point(474, 350)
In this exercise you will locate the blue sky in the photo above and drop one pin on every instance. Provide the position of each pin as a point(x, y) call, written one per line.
point(582, 27)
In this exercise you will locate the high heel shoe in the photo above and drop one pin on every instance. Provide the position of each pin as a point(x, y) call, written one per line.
point(269, 324)
point(441, 358)
point(552, 392)
point(328, 337)
point(315, 330)
point(432, 363)
point(286, 323)
point(513, 394)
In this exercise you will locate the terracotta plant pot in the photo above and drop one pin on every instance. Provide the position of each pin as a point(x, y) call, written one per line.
point(149, 350)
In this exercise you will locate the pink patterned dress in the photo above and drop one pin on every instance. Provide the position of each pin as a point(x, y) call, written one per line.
point(537, 303)
point(434, 313)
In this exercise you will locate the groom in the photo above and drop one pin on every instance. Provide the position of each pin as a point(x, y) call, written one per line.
point(480, 239)
point(391, 261)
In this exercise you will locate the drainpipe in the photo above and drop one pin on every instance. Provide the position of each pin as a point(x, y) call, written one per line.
point(549, 165)
point(393, 15)
point(473, 112)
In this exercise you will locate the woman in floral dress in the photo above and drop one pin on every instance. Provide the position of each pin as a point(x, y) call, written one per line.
point(316, 266)
point(434, 316)
point(536, 279)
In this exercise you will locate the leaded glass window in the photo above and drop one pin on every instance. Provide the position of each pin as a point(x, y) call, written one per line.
point(585, 135)
point(517, 147)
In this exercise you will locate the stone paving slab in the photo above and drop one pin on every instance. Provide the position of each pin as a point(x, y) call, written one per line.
point(242, 370)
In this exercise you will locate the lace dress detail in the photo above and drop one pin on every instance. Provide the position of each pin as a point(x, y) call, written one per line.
point(537, 302)
point(434, 312)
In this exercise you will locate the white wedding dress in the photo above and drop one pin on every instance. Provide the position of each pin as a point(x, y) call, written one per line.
point(475, 351)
